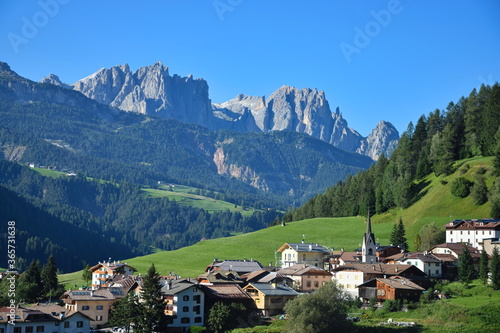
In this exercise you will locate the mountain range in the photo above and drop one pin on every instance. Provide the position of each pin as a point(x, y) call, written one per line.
point(152, 90)
point(48, 124)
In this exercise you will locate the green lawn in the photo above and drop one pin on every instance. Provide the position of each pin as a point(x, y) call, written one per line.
point(181, 194)
point(49, 173)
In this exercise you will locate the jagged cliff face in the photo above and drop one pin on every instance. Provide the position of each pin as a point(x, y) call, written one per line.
point(304, 111)
point(151, 90)
point(382, 140)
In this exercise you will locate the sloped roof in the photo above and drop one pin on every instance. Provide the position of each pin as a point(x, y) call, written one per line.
point(55, 310)
point(302, 269)
point(396, 282)
point(474, 224)
point(273, 276)
point(225, 291)
point(114, 266)
point(350, 256)
point(220, 276)
point(380, 268)
point(304, 247)
point(177, 286)
point(38, 313)
point(103, 294)
point(458, 248)
point(240, 266)
point(428, 258)
point(270, 290)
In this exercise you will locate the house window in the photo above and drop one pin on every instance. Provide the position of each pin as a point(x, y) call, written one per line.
point(66, 324)
point(98, 318)
point(451, 240)
point(40, 328)
point(196, 309)
point(197, 298)
point(29, 329)
point(17, 329)
point(85, 307)
point(185, 309)
point(185, 320)
point(197, 319)
point(303, 257)
point(99, 307)
point(79, 324)
point(380, 292)
point(308, 284)
point(316, 284)
point(185, 298)
point(437, 271)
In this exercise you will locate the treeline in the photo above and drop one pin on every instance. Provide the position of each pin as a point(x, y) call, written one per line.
point(110, 220)
point(470, 127)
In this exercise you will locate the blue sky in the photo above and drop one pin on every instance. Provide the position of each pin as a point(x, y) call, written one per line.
point(376, 60)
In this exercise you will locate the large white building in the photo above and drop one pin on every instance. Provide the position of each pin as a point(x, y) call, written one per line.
point(472, 232)
point(303, 253)
point(184, 304)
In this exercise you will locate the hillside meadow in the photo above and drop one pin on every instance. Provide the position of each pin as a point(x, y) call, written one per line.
point(261, 245)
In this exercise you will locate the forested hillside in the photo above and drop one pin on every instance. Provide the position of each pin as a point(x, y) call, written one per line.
point(467, 128)
point(83, 220)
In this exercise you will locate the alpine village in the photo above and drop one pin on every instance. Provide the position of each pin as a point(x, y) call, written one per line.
point(203, 217)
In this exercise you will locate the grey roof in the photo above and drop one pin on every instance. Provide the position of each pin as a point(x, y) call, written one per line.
point(304, 247)
point(176, 286)
point(270, 290)
point(239, 265)
point(90, 295)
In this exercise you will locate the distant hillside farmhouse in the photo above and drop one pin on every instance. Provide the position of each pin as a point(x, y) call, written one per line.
point(472, 232)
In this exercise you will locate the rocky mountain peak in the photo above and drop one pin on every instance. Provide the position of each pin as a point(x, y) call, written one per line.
point(151, 90)
point(383, 139)
point(54, 79)
point(5, 68)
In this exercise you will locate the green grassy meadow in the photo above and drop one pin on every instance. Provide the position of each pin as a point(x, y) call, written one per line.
point(49, 173)
point(182, 195)
point(437, 204)
point(261, 245)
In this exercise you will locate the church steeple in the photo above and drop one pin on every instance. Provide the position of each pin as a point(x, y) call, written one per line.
point(369, 247)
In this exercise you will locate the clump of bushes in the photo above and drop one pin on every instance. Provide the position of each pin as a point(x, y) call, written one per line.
point(460, 187)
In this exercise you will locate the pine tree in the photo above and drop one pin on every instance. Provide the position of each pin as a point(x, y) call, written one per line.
point(50, 283)
point(466, 267)
point(398, 237)
point(495, 268)
point(125, 312)
point(494, 198)
point(87, 274)
point(30, 282)
point(479, 191)
point(151, 309)
point(418, 242)
point(496, 160)
point(483, 267)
